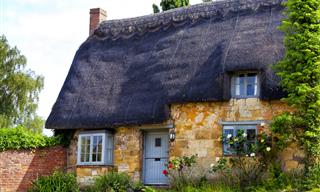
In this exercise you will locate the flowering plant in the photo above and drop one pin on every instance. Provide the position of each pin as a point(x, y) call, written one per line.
point(179, 164)
point(253, 154)
point(179, 170)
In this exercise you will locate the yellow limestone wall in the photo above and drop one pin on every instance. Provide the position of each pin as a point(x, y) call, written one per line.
point(127, 156)
point(198, 131)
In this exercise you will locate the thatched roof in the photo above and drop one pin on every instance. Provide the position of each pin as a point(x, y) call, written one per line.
point(129, 71)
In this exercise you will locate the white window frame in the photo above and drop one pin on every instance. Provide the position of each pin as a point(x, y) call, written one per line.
point(103, 161)
point(234, 85)
point(235, 127)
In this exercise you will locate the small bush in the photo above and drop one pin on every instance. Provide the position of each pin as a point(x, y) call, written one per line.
point(21, 138)
point(117, 182)
point(57, 182)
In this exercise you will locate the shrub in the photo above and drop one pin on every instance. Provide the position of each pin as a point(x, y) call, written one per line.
point(57, 182)
point(21, 138)
point(117, 182)
point(112, 181)
point(179, 171)
point(313, 178)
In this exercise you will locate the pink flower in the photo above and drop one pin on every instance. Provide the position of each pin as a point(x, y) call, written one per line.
point(165, 172)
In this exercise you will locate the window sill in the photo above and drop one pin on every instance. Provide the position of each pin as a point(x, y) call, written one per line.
point(245, 97)
point(94, 166)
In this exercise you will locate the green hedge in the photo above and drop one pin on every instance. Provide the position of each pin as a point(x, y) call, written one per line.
point(21, 138)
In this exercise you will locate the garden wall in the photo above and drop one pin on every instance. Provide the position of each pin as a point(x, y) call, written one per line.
point(18, 168)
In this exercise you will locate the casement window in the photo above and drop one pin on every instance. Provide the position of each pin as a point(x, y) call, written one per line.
point(230, 131)
point(245, 85)
point(95, 148)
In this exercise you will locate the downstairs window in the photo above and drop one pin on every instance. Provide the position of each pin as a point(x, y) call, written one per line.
point(95, 148)
point(249, 132)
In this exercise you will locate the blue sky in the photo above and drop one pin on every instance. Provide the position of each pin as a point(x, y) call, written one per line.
point(49, 32)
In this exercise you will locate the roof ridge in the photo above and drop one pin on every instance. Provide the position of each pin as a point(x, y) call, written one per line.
point(125, 28)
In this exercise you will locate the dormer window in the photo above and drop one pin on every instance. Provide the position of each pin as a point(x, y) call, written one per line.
point(245, 85)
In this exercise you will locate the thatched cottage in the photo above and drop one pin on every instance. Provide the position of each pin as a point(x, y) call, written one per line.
point(146, 89)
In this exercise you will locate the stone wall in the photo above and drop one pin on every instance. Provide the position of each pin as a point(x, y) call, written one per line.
point(19, 168)
point(128, 151)
point(198, 131)
point(198, 125)
point(127, 156)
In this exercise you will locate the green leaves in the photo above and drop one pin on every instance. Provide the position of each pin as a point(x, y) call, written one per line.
point(21, 138)
point(300, 77)
point(19, 88)
point(170, 4)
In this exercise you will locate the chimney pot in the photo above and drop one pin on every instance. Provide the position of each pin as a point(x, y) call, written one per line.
point(97, 15)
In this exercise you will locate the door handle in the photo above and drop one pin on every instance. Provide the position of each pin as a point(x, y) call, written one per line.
point(156, 159)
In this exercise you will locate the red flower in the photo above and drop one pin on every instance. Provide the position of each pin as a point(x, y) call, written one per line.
point(165, 172)
point(170, 166)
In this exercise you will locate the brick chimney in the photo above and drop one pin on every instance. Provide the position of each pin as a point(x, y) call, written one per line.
point(97, 15)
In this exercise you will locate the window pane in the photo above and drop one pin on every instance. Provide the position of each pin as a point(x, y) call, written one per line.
point(96, 148)
point(99, 145)
point(242, 89)
point(87, 157)
point(237, 88)
point(227, 149)
point(250, 90)
point(84, 148)
point(82, 158)
point(251, 79)
point(158, 142)
point(251, 134)
point(94, 157)
point(99, 157)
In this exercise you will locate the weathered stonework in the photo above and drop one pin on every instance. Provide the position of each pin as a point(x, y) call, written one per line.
point(128, 151)
point(292, 157)
point(127, 156)
point(198, 131)
point(198, 125)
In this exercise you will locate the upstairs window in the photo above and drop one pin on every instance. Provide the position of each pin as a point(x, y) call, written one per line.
point(95, 148)
point(245, 85)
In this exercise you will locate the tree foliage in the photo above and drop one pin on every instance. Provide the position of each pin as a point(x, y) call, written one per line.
point(19, 88)
point(155, 8)
point(22, 138)
point(170, 4)
point(300, 76)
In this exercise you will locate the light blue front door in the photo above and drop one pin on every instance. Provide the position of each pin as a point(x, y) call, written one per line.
point(155, 157)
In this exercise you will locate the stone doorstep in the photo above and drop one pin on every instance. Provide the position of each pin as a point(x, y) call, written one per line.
point(162, 186)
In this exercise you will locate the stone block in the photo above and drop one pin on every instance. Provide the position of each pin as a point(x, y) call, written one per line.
point(203, 134)
point(81, 172)
point(290, 165)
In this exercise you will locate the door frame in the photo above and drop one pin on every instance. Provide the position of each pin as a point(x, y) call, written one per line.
point(145, 132)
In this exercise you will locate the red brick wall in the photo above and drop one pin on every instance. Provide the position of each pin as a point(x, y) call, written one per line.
point(19, 168)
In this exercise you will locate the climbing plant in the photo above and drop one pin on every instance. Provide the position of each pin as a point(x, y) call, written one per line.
point(300, 77)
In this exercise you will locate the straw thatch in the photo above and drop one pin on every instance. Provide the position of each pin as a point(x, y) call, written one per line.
point(129, 71)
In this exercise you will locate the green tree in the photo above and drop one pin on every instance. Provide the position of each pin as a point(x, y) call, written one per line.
point(300, 76)
point(155, 8)
point(170, 4)
point(19, 89)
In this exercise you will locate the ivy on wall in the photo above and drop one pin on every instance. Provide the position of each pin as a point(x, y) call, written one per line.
point(300, 77)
